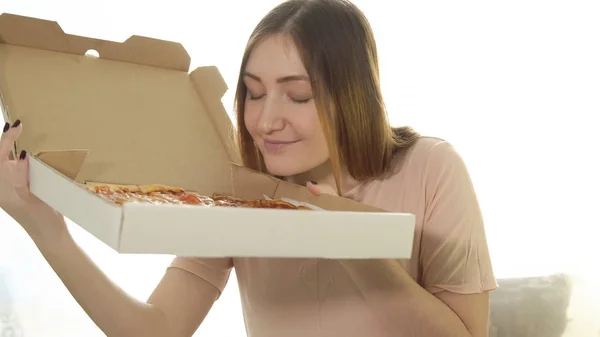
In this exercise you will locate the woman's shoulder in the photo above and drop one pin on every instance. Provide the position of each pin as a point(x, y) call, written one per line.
point(414, 168)
point(427, 155)
point(428, 145)
point(414, 172)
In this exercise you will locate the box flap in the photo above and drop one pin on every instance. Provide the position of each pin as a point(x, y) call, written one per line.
point(43, 34)
point(135, 108)
point(325, 201)
point(211, 87)
point(253, 184)
point(68, 163)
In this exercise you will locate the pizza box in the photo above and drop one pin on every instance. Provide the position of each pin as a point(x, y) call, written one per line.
point(134, 114)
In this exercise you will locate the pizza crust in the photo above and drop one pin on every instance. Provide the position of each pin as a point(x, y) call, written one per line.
point(112, 187)
point(159, 188)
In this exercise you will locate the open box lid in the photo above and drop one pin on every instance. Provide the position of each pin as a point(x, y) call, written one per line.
point(135, 105)
point(132, 115)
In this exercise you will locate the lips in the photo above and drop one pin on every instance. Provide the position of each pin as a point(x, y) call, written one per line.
point(277, 145)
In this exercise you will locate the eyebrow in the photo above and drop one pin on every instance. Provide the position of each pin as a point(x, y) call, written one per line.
point(284, 79)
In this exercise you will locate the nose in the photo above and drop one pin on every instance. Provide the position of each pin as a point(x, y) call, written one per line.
point(271, 117)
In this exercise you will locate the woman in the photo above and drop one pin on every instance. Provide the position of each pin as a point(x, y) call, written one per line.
point(309, 109)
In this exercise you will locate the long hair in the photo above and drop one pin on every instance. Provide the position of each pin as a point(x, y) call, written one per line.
point(338, 50)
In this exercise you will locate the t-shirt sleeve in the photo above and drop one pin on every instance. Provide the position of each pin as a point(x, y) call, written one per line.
point(454, 252)
point(215, 271)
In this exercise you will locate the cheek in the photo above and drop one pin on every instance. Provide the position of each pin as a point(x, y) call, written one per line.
point(314, 149)
point(309, 128)
point(319, 143)
point(250, 120)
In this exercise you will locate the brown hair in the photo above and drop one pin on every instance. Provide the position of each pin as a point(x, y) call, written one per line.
point(337, 47)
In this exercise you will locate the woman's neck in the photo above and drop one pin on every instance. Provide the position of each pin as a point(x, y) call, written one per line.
point(323, 175)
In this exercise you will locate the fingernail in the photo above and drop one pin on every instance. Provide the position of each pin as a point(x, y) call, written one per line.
point(313, 182)
point(6, 127)
point(22, 155)
point(16, 123)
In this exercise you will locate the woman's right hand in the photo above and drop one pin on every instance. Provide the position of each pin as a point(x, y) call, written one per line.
point(35, 216)
point(178, 305)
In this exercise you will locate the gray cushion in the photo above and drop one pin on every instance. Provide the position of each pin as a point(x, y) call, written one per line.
point(530, 307)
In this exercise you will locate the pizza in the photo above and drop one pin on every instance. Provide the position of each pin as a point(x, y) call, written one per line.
point(162, 194)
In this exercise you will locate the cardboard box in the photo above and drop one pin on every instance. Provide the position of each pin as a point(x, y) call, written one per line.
point(134, 115)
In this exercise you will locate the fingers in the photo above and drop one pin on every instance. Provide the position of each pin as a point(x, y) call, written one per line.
point(9, 136)
point(313, 188)
point(22, 176)
point(320, 188)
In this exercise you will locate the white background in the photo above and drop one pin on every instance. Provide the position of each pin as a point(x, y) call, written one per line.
point(514, 85)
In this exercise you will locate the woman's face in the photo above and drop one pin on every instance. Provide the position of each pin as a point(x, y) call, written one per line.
point(280, 111)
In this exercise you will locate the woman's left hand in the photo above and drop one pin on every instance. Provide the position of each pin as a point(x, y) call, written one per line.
point(318, 189)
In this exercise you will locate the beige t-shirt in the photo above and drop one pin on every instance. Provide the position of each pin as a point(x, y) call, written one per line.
point(317, 297)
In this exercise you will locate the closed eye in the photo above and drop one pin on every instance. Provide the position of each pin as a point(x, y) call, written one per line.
point(255, 97)
point(301, 100)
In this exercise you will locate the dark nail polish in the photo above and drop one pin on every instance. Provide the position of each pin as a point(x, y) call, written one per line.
point(22, 155)
point(6, 126)
point(313, 182)
point(16, 123)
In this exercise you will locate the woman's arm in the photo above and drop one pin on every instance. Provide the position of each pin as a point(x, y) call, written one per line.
point(176, 308)
point(393, 294)
point(456, 273)
point(178, 304)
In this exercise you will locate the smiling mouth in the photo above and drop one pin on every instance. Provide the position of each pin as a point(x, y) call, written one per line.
point(277, 145)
